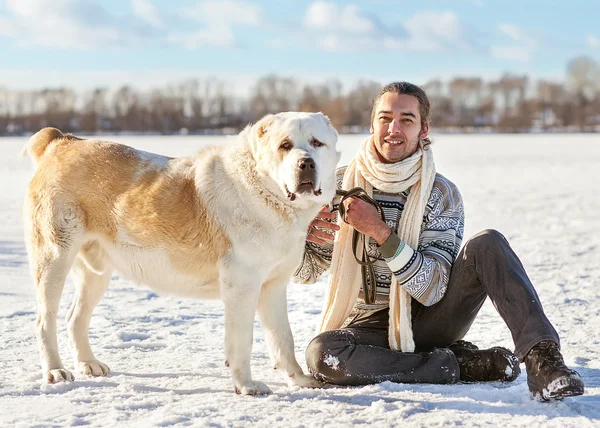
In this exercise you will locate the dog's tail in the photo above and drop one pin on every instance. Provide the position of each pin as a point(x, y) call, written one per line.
point(39, 142)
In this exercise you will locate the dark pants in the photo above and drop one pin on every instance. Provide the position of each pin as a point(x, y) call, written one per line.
point(486, 266)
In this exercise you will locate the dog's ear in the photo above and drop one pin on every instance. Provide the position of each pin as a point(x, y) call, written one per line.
point(326, 119)
point(262, 126)
point(328, 123)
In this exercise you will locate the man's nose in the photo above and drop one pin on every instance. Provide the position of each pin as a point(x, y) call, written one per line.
point(394, 127)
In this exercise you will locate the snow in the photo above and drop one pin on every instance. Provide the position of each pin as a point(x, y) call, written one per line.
point(166, 353)
point(332, 361)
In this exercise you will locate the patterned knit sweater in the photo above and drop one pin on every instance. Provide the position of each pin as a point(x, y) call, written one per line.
point(423, 272)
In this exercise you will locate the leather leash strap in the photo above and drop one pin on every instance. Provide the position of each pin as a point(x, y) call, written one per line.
point(366, 262)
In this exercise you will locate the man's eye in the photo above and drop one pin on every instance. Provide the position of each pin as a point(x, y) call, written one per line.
point(286, 146)
point(316, 143)
point(406, 120)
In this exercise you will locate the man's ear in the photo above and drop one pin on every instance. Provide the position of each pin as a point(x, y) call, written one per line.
point(424, 131)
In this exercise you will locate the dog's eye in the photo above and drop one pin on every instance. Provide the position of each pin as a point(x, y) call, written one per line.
point(316, 143)
point(286, 146)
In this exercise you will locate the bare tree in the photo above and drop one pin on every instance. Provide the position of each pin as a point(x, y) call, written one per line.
point(326, 98)
point(359, 103)
point(272, 94)
point(210, 105)
point(583, 79)
point(550, 97)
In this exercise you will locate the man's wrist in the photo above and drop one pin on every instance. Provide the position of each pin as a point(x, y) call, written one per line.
point(382, 235)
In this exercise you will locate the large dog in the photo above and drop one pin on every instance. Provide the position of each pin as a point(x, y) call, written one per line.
point(229, 222)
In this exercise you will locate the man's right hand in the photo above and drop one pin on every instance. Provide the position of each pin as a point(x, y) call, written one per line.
point(325, 235)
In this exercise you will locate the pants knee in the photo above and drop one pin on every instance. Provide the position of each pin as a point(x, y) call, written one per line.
point(321, 360)
point(488, 239)
point(315, 354)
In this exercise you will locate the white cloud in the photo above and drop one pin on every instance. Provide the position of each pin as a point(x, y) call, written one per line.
point(511, 31)
point(345, 28)
point(330, 17)
point(64, 24)
point(30, 7)
point(432, 30)
point(228, 12)
point(593, 41)
point(148, 12)
point(212, 36)
point(520, 47)
point(218, 18)
point(348, 28)
point(342, 43)
point(7, 27)
point(75, 24)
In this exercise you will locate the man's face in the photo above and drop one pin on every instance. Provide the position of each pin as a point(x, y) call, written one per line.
point(396, 127)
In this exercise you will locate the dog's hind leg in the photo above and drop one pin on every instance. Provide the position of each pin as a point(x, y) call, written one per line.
point(93, 278)
point(272, 311)
point(53, 234)
point(50, 265)
point(239, 291)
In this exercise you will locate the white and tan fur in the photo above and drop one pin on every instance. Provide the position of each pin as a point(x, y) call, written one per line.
point(219, 224)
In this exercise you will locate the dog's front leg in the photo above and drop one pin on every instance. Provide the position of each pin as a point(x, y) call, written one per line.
point(272, 311)
point(239, 292)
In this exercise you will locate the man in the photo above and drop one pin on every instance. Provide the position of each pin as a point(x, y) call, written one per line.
point(404, 322)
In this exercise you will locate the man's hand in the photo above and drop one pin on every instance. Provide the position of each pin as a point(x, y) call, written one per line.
point(322, 236)
point(365, 218)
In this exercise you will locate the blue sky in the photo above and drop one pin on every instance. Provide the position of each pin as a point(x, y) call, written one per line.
point(84, 43)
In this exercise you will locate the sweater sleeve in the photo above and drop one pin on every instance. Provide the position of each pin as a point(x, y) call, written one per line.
point(315, 261)
point(424, 272)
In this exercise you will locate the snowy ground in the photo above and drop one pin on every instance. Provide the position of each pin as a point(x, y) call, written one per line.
point(166, 353)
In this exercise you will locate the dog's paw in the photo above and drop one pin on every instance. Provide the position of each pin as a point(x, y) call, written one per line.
point(306, 381)
point(59, 375)
point(253, 388)
point(93, 368)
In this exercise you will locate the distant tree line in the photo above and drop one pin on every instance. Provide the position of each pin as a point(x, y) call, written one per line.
point(513, 103)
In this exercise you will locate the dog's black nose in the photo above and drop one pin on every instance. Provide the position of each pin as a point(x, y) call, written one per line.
point(306, 163)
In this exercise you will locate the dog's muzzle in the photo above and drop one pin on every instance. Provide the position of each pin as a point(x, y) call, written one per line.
point(307, 178)
point(307, 175)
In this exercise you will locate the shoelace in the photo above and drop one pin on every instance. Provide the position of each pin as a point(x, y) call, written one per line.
point(366, 262)
point(548, 353)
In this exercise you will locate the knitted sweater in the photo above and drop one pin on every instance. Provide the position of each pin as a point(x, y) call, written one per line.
point(424, 271)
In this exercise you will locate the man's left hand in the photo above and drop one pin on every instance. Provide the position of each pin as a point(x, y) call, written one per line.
point(365, 218)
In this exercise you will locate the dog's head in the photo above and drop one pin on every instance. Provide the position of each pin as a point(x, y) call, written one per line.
point(298, 152)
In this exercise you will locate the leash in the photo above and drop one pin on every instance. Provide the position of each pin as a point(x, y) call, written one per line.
point(365, 261)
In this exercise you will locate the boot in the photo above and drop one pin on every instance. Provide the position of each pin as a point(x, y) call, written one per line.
point(487, 365)
point(548, 377)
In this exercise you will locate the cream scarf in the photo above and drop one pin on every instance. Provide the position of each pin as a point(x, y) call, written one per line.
point(416, 173)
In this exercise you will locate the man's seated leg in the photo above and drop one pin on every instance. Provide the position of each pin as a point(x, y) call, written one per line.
point(487, 266)
point(360, 355)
